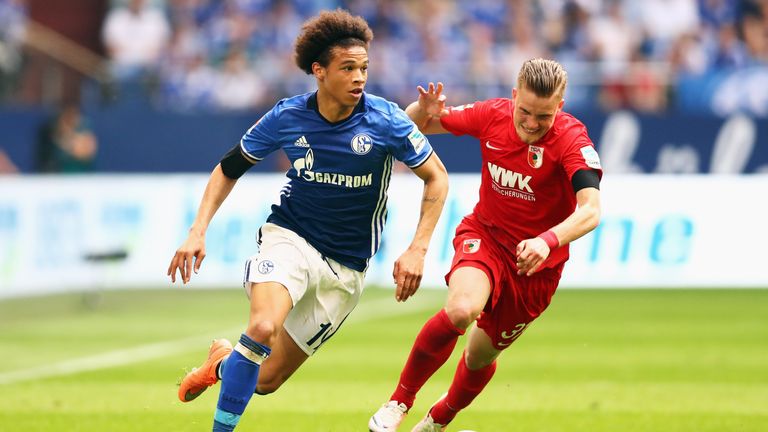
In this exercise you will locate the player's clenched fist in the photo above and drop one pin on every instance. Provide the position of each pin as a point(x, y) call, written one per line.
point(531, 253)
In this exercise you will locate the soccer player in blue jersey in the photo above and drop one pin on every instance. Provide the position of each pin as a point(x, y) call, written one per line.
point(315, 245)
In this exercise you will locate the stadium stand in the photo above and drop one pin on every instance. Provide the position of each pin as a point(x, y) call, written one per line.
point(232, 58)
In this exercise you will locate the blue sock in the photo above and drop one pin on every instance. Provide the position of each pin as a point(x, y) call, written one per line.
point(239, 375)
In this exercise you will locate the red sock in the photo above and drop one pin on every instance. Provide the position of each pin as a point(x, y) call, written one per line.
point(431, 349)
point(466, 385)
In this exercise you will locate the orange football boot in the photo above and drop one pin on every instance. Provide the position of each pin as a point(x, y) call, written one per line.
point(199, 379)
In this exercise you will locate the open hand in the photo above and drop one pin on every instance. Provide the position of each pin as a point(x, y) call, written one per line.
point(432, 100)
point(190, 255)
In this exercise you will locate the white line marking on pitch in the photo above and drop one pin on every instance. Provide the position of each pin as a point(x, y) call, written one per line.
point(380, 308)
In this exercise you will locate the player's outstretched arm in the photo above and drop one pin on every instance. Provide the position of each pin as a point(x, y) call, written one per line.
point(218, 188)
point(409, 267)
point(428, 108)
point(531, 253)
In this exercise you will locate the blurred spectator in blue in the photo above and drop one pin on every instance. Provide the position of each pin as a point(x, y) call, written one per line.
point(728, 51)
point(754, 29)
point(238, 86)
point(573, 44)
point(230, 25)
point(716, 13)
point(66, 144)
point(186, 77)
point(188, 85)
point(13, 19)
point(135, 35)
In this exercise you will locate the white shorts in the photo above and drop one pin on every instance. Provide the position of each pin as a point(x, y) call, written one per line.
point(323, 291)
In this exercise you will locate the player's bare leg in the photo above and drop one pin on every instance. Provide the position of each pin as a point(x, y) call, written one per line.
point(480, 351)
point(468, 292)
point(270, 304)
point(285, 359)
point(474, 371)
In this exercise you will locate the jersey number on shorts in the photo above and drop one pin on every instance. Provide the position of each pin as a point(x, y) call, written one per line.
point(324, 334)
point(514, 334)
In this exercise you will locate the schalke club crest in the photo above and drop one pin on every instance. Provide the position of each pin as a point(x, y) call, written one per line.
point(361, 144)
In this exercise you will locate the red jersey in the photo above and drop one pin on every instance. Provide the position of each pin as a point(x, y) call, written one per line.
point(525, 189)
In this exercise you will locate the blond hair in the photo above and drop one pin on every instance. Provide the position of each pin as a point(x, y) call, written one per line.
point(543, 77)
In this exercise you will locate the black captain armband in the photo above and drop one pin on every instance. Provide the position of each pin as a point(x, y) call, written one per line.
point(234, 164)
point(584, 179)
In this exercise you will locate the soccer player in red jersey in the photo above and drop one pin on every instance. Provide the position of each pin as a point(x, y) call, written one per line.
point(539, 192)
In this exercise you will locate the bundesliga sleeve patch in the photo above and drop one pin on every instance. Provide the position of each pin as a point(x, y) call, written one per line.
point(471, 245)
point(417, 140)
point(590, 157)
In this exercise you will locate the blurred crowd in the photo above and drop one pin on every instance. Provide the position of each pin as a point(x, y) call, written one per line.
point(237, 54)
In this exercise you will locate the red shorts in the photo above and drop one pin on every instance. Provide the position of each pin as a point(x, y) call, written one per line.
point(515, 301)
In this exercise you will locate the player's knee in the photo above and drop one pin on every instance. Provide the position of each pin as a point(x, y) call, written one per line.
point(262, 331)
point(462, 314)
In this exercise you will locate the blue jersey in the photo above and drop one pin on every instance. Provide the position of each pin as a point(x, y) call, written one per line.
point(336, 195)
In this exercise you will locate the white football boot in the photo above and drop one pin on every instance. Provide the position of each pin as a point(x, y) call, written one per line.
point(388, 417)
point(427, 424)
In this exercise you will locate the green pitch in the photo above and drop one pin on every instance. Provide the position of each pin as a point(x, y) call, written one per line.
point(597, 361)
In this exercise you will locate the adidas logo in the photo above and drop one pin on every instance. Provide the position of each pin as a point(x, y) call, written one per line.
point(301, 142)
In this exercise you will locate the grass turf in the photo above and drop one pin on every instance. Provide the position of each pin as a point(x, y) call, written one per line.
point(597, 360)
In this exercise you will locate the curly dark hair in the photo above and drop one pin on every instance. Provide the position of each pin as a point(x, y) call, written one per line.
point(330, 29)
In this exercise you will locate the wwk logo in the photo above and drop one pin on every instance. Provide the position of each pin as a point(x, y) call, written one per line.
point(509, 179)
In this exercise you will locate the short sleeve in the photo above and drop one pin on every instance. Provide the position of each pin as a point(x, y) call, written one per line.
point(261, 139)
point(407, 143)
point(466, 119)
point(580, 155)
